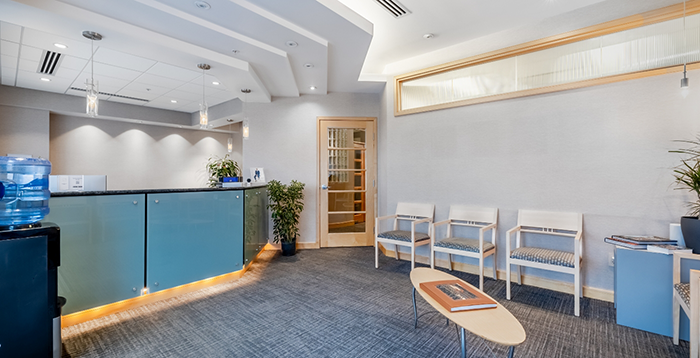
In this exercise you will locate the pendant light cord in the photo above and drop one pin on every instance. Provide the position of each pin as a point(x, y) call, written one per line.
point(92, 62)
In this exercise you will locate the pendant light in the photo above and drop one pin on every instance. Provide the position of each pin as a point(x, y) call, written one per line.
point(244, 125)
point(203, 109)
point(684, 80)
point(91, 87)
point(229, 148)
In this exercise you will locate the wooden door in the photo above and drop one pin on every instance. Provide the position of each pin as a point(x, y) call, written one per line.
point(347, 167)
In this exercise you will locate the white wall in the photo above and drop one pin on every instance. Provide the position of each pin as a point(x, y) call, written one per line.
point(135, 156)
point(601, 151)
point(24, 131)
point(283, 141)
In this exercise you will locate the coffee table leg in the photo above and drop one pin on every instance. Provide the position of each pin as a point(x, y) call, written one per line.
point(510, 351)
point(415, 311)
point(463, 342)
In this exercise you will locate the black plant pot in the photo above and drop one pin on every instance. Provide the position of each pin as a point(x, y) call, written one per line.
point(289, 248)
point(690, 227)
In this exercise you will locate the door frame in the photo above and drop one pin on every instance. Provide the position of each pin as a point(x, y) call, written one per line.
point(371, 178)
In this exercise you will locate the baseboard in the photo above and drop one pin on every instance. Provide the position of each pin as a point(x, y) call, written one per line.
point(308, 245)
point(559, 286)
point(101, 311)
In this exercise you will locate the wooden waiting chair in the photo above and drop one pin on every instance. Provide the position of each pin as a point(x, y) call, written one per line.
point(554, 224)
point(485, 219)
point(686, 296)
point(415, 214)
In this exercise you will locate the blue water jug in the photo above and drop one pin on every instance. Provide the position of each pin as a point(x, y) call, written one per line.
point(24, 190)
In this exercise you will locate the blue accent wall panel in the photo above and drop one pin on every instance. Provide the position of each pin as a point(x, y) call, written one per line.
point(644, 291)
point(192, 236)
point(102, 248)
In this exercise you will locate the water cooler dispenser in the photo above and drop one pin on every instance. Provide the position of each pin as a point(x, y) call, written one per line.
point(29, 260)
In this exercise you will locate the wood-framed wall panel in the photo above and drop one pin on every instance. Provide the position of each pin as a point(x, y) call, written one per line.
point(648, 18)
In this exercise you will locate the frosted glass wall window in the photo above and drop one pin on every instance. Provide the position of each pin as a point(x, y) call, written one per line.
point(639, 49)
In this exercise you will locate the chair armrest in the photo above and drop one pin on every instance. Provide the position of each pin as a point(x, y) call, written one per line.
point(426, 220)
point(429, 221)
point(442, 222)
point(386, 217)
point(488, 227)
point(508, 234)
point(517, 228)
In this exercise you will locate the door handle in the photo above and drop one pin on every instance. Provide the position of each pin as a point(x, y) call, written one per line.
point(324, 187)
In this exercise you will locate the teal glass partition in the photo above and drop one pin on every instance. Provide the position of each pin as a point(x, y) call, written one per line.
point(102, 248)
point(192, 236)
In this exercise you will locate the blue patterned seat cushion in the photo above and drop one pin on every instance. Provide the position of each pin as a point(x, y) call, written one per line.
point(683, 290)
point(459, 243)
point(545, 256)
point(402, 235)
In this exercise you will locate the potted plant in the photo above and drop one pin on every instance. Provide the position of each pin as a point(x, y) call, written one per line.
point(220, 168)
point(687, 176)
point(286, 204)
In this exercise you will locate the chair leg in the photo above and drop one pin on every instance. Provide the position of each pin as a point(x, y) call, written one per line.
point(432, 258)
point(376, 254)
point(676, 319)
point(577, 290)
point(520, 275)
point(413, 257)
point(481, 272)
point(507, 279)
point(694, 334)
point(495, 269)
point(396, 252)
point(449, 261)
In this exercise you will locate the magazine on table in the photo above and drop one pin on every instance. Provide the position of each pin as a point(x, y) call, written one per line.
point(629, 245)
point(668, 249)
point(644, 240)
point(457, 296)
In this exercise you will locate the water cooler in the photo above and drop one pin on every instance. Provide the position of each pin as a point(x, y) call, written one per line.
point(29, 260)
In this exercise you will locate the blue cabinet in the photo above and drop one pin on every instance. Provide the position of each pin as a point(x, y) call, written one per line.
point(644, 291)
point(102, 248)
point(192, 236)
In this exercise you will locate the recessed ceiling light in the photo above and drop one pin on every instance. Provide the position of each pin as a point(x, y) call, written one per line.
point(428, 36)
point(215, 83)
point(292, 44)
point(60, 45)
point(309, 65)
point(173, 101)
point(202, 5)
point(312, 87)
point(45, 79)
point(235, 51)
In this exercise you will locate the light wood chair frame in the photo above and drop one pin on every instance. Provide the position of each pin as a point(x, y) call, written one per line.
point(560, 225)
point(693, 311)
point(416, 214)
point(485, 219)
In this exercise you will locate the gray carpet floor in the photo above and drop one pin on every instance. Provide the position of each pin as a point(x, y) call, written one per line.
point(334, 303)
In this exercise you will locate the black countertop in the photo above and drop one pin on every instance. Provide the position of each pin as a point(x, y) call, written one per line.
point(148, 191)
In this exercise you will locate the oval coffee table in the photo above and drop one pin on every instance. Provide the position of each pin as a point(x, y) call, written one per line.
point(494, 324)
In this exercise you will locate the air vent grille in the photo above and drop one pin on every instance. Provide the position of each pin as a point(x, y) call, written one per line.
point(113, 95)
point(396, 9)
point(48, 64)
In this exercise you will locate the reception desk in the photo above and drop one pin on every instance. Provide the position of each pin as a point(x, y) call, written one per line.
point(119, 245)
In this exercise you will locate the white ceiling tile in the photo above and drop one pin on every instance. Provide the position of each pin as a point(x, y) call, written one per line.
point(182, 96)
point(124, 60)
point(7, 81)
point(164, 103)
point(29, 66)
point(30, 53)
point(8, 71)
point(8, 61)
point(105, 83)
point(153, 91)
point(191, 87)
point(137, 94)
point(78, 46)
point(8, 48)
point(176, 73)
point(74, 63)
point(189, 108)
point(10, 32)
point(159, 81)
point(102, 69)
point(66, 73)
point(75, 93)
point(32, 80)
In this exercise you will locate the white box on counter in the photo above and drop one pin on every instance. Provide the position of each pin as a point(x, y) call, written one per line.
point(59, 183)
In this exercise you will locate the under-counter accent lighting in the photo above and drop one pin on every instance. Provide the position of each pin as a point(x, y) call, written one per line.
point(144, 291)
point(312, 88)
point(91, 87)
point(203, 109)
point(59, 45)
point(215, 83)
point(45, 79)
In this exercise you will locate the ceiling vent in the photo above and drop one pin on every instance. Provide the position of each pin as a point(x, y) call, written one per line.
point(395, 8)
point(113, 95)
point(48, 64)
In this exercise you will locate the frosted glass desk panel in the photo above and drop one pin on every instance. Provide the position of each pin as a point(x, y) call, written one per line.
point(192, 236)
point(644, 291)
point(255, 222)
point(102, 248)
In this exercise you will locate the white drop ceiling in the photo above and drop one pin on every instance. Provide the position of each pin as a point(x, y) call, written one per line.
point(151, 48)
